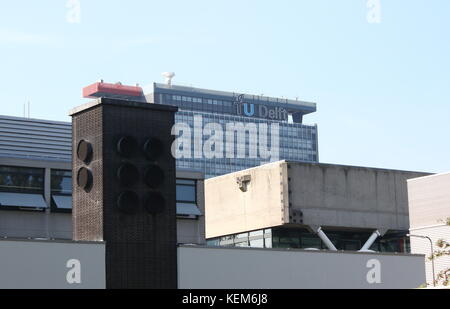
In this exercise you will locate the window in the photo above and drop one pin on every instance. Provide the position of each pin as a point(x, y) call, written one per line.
point(256, 239)
point(61, 189)
point(268, 242)
point(22, 188)
point(186, 191)
point(215, 242)
point(187, 198)
point(311, 242)
point(61, 182)
point(241, 240)
point(257, 243)
point(21, 179)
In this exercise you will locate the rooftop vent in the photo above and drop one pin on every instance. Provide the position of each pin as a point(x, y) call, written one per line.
point(117, 90)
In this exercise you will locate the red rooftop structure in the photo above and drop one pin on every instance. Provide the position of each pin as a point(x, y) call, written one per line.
point(101, 89)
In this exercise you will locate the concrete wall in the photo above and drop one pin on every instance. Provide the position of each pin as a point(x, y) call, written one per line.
point(49, 265)
point(429, 207)
point(233, 268)
point(327, 195)
point(44, 265)
point(29, 224)
point(230, 211)
point(429, 200)
point(350, 196)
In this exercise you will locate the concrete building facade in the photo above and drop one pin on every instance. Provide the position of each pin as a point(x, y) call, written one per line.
point(301, 205)
point(429, 216)
point(244, 268)
point(44, 264)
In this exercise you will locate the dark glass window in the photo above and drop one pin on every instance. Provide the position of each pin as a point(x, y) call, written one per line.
point(21, 179)
point(311, 242)
point(351, 245)
point(394, 241)
point(186, 191)
point(61, 189)
point(215, 242)
point(186, 196)
point(61, 182)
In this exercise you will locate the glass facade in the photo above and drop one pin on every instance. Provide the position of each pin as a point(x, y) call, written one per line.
point(21, 179)
point(20, 185)
point(299, 238)
point(22, 188)
point(61, 190)
point(296, 141)
point(61, 182)
point(255, 239)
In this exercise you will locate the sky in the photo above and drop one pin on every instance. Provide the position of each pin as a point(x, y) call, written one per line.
point(381, 79)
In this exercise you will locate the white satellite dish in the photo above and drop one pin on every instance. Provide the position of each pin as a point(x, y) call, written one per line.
point(168, 76)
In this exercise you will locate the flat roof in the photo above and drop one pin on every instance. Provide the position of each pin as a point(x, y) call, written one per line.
point(121, 102)
point(301, 104)
point(44, 240)
point(300, 250)
point(325, 165)
point(360, 167)
point(35, 120)
point(429, 176)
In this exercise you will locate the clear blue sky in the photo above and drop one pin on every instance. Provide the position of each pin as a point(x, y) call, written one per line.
point(382, 90)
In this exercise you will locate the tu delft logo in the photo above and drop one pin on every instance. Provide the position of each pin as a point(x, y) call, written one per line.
point(249, 109)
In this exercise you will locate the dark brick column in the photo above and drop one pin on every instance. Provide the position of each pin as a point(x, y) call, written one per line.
point(124, 189)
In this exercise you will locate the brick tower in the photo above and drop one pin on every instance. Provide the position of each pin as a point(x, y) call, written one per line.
point(124, 189)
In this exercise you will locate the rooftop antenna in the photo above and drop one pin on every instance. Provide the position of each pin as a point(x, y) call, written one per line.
point(25, 106)
point(168, 76)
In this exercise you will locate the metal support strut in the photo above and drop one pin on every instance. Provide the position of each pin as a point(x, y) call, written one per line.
point(325, 239)
point(370, 241)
